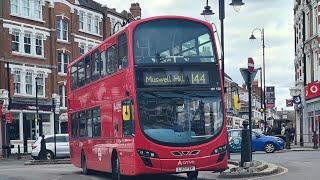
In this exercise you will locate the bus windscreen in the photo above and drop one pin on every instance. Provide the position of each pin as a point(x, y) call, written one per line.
point(172, 41)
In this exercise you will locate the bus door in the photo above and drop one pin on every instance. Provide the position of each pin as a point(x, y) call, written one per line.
point(117, 122)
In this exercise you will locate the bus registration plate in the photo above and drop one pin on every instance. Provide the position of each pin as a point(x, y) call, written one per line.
point(184, 169)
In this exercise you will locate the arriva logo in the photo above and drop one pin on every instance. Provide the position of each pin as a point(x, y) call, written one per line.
point(180, 163)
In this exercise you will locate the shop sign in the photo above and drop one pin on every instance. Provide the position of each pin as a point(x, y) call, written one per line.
point(312, 90)
point(8, 117)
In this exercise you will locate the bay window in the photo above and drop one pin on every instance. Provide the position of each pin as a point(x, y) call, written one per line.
point(30, 9)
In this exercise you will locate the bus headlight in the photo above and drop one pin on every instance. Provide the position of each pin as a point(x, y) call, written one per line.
point(219, 150)
point(147, 154)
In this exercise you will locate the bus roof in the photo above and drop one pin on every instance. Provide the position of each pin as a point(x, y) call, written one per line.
point(133, 24)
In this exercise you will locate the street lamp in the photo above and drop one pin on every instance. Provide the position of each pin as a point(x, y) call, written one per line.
point(296, 93)
point(39, 122)
point(207, 12)
point(252, 37)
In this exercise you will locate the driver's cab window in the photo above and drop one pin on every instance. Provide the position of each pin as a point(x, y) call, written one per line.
point(123, 51)
point(235, 133)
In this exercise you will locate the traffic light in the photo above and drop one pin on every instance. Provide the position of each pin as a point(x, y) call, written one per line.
point(261, 110)
point(236, 102)
point(36, 119)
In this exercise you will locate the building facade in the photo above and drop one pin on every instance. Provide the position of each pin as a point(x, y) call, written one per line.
point(38, 40)
point(307, 68)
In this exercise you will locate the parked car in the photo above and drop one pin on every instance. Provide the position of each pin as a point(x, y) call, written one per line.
point(260, 142)
point(62, 147)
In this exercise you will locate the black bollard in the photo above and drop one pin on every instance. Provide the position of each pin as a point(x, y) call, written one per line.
point(315, 140)
point(19, 155)
point(43, 149)
point(245, 143)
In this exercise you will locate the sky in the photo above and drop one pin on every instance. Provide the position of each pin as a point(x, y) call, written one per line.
point(276, 17)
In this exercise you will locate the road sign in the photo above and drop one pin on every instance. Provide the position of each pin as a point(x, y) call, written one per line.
point(247, 76)
point(250, 65)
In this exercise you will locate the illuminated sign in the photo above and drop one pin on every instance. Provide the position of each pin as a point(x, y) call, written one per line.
point(173, 78)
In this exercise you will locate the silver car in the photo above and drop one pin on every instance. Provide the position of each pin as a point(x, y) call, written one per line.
point(62, 147)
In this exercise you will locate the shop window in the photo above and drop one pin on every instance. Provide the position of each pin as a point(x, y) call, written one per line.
point(14, 127)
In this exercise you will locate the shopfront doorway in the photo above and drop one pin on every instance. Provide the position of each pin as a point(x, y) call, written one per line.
point(29, 129)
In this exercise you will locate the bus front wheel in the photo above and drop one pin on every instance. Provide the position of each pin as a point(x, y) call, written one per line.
point(84, 167)
point(116, 168)
point(192, 175)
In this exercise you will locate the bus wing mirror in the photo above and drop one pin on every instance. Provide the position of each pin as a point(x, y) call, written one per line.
point(126, 113)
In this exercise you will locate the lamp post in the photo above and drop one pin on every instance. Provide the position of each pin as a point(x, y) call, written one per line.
point(296, 94)
point(252, 37)
point(207, 12)
point(39, 122)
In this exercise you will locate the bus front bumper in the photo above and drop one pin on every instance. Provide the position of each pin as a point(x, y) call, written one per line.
point(217, 163)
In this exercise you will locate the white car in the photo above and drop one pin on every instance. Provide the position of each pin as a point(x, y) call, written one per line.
point(62, 147)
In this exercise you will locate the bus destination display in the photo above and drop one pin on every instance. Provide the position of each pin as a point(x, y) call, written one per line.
point(173, 78)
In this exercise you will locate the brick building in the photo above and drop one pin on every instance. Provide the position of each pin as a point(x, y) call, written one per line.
point(38, 39)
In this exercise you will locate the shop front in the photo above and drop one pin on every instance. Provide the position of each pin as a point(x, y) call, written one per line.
point(23, 129)
point(313, 109)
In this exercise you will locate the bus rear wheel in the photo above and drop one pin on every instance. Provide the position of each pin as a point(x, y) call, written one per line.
point(192, 175)
point(116, 168)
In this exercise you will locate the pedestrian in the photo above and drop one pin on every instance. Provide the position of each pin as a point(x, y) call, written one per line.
point(43, 149)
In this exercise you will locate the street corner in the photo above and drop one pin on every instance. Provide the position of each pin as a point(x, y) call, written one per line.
point(46, 162)
point(255, 168)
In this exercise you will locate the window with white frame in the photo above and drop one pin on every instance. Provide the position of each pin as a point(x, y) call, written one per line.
point(40, 84)
point(17, 81)
point(15, 41)
point(90, 47)
point(89, 22)
point(308, 69)
point(14, 6)
point(26, 8)
point(96, 25)
point(62, 30)
point(63, 95)
point(31, 9)
point(81, 20)
point(315, 20)
point(37, 9)
point(316, 66)
point(39, 45)
point(23, 43)
point(28, 82)
point(63, 60)
point(82, 49)
point(27, 43)
point(307, 25)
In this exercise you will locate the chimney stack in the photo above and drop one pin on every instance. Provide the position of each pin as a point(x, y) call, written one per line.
point(135, 10)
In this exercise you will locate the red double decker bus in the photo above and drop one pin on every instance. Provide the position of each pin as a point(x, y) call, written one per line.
point(149, 100)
